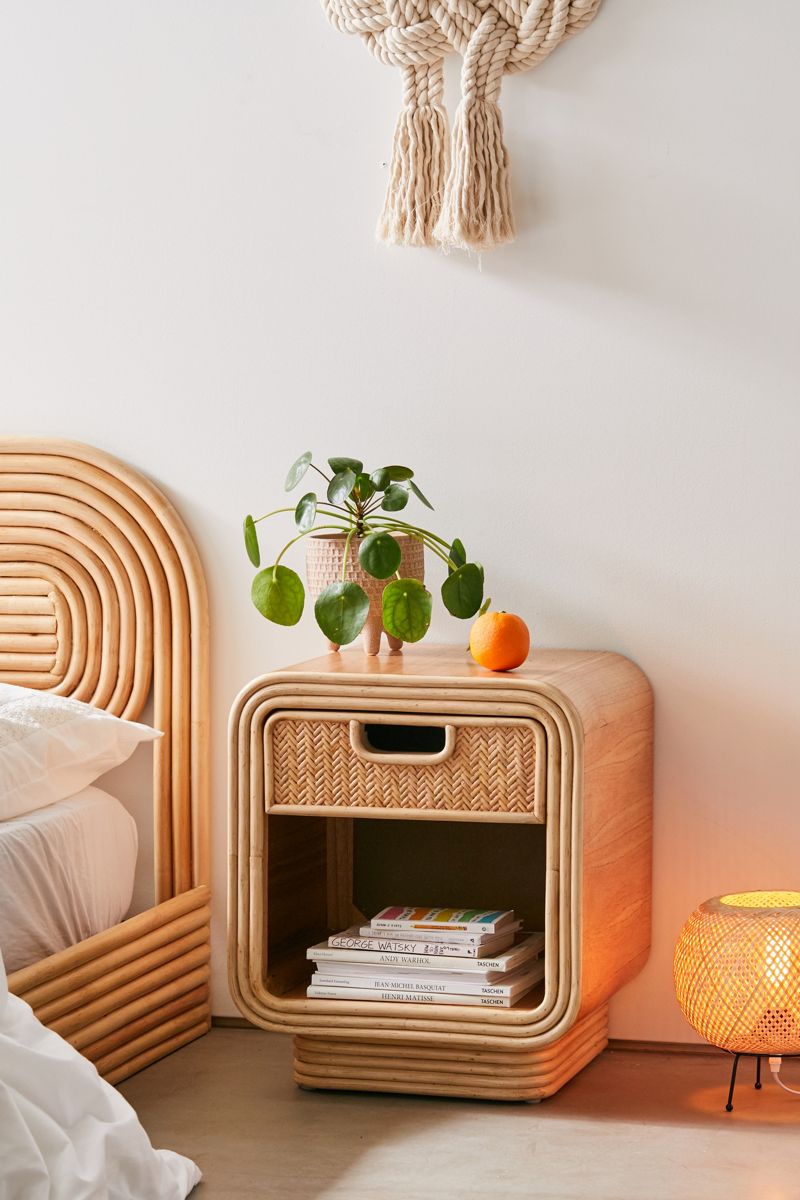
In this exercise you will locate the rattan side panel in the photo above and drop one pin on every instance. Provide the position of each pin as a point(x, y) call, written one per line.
point(311, 763)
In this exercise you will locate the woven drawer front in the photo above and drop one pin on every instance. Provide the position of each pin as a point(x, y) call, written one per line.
point(491, 767)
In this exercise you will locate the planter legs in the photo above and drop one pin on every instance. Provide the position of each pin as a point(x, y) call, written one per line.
point(371, 638)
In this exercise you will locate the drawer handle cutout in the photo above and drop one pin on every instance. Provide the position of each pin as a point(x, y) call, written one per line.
point(362, 746)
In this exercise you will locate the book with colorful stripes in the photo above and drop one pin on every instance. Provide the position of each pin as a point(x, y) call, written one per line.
point(452, 920)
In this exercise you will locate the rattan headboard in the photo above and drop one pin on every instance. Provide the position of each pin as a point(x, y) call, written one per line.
point(102, 597)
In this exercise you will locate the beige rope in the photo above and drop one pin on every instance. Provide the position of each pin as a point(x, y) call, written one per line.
point(469, 204)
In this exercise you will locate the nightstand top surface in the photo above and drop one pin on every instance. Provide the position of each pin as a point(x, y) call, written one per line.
point(448, 663)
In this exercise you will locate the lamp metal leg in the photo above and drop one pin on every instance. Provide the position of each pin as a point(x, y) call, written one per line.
point(758, 1072)
point(729, 1105)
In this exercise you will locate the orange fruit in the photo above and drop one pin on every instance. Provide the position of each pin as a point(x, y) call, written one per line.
point(499, 641)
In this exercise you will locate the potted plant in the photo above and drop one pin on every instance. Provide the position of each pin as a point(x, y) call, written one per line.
point(365, 565)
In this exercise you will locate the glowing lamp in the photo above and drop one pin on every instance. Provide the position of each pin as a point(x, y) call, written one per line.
point(737, 975)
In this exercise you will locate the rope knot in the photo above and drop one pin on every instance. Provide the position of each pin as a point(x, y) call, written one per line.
point(469, 205)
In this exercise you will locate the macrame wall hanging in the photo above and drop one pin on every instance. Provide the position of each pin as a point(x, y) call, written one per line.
point(454, 195)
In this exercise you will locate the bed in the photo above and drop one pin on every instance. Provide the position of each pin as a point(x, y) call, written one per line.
point(102, 598)
point(66, 873)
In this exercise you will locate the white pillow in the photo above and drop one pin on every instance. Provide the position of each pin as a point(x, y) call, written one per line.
point(52, 747)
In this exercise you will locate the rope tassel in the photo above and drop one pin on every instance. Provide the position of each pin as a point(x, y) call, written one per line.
point(419, 160)
point(468, 203)
point(476, 213)
point(417, 178)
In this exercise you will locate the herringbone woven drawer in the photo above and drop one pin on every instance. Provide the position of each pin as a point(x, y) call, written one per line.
point(491, 767)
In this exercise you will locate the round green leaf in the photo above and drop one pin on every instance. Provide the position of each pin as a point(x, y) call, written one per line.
point(337, 465)
point(462, 591)
point(395, 498)
point(419, 495)
point(278, 595)
point(341, 611)
point(297, 471)
point(251, 541)
point(457, 556)
point(396, 474)
point(406, 609)
point(306, 512)
point(379, 555)
point(341, 486)
point(364, 487)
point(381, 479)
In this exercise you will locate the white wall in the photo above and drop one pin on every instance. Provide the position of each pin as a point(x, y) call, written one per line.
point(605, 411)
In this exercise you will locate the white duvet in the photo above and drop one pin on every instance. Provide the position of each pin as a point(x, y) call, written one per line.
point(66, 1134)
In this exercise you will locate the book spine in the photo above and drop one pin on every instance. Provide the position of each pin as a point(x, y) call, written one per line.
point(393, 946)
point(403, 959)
point(393, 983)
point(464, 939)
point(422, 926)
point(317, 992)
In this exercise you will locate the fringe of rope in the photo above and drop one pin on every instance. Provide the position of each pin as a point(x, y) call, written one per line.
point(417, 174)
point(476, 211)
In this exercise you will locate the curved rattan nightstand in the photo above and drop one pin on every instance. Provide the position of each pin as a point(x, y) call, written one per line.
point(422, 778)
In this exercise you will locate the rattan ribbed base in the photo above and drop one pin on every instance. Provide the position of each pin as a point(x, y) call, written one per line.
point(419, 1068)
point(133, 993)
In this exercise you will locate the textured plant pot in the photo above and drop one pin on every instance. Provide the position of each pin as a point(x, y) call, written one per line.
point(324, 557)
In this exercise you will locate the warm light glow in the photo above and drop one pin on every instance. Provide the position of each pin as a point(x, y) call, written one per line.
point(761, 900)
point(777, 958)
point(737, 972)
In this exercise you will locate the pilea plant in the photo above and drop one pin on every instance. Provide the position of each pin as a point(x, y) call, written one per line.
point(363, 505)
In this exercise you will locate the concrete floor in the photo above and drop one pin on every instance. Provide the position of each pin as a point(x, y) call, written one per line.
point(632, 1126)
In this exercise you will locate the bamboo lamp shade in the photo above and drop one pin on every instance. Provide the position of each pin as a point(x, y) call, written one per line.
point(737, 972)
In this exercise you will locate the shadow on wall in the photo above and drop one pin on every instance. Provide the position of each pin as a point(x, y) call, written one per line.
point(649, 200)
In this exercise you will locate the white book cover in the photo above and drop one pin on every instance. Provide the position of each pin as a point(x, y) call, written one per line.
point(465, 920)
point(315, 992)
point(479, 942)
point(329, 958)
point(514, 985)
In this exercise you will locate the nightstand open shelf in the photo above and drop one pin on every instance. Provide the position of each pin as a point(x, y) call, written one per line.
point(420, 778)
point(326, 873)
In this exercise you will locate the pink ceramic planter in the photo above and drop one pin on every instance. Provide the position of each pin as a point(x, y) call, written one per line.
point(324, 557)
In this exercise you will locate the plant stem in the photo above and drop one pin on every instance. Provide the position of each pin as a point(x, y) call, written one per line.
point(347, 554)
point(334, 510)
point(305, 533)
point(274, 513)
point(421, 535)
point(327, 510)
point(408, 525)
point(314, 467)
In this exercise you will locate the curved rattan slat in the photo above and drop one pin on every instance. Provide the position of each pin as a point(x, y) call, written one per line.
point(96, 552)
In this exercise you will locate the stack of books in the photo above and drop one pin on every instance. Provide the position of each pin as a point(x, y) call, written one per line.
point(430, 956)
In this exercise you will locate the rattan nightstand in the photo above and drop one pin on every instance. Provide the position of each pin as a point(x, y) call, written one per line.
point(422, 778)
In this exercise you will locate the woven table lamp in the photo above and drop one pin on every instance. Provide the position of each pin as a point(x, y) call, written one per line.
point(737, 976)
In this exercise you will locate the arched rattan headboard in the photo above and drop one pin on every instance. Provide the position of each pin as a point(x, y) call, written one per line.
point(102, 597)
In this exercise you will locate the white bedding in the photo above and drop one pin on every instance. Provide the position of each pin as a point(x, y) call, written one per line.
point(66, 872)
point(66, 1134)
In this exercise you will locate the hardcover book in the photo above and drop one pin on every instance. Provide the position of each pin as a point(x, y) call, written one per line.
point(466, 920)
point(347, 993)
point(481, 942)
point(515, 985)
point(350, 952)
